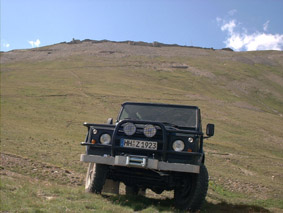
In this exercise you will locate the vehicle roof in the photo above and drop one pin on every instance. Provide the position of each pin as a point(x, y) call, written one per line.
point(160, 104)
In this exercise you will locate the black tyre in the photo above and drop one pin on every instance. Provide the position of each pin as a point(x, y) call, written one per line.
point(134, 191)
point(95, 177)
point(192, 192)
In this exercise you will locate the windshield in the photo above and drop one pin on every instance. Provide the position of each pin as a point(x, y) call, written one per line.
point(177, 115)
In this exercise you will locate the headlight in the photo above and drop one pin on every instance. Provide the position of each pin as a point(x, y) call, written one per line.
point(178, 145)
point(129, 129)
point(149, 130)
point(105, 139)
point(190, 139)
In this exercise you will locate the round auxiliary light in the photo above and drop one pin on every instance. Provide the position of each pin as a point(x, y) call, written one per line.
point(190, 139)
point(129, 129)
point(149, 130)
point(105, 139)
point(178, 145)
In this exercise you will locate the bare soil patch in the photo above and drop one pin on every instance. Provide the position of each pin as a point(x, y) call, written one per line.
point(35, 169)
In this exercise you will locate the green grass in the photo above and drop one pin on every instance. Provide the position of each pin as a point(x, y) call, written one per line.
point(224, 193)
point(45, 102)
point(38, 196)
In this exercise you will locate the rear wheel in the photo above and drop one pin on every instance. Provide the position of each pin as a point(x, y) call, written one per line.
point(191, 193)
point(134, 191)
point(95, 177)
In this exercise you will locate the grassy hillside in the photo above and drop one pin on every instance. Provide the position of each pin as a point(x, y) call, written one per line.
point(48, 92)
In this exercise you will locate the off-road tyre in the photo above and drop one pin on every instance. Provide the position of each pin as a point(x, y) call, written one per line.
point(134, 191)
point(191, 194)
point(95, 177)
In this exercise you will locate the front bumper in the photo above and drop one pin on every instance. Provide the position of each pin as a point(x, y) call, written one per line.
point(140, 162)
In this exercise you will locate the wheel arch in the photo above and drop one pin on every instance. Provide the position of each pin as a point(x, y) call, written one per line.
point(203, 159)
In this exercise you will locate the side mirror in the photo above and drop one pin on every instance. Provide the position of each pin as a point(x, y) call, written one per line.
point(210, 130)
point(110, 121)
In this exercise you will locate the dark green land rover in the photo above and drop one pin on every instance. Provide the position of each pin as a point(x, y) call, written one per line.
point(150, 146)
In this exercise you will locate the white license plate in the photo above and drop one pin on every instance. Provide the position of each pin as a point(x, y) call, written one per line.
point(138, 144)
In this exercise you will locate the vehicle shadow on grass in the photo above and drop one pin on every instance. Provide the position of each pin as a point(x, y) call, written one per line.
point(232, 208)
point(139, 203)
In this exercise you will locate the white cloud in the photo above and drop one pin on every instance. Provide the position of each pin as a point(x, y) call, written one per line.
point(34, 43)
point(265, 25)
point(229, 26)
point(255, 41)
point(7, 45)
point(240, 39)
point(218, 19)
point(232, 12)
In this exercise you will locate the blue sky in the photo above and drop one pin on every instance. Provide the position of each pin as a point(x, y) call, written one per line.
point(239, 24)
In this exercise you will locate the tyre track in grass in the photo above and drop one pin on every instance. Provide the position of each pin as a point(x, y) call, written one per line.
point(47, 172)
point(39, 170)
point(13, 165)
point(21, 167)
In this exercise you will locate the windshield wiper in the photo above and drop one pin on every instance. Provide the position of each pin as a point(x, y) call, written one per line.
point(130, 119)
point(170, 124)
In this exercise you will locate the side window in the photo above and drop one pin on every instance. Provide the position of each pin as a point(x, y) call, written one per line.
point(199, 121)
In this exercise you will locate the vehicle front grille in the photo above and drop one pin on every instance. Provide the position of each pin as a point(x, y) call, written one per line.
point(160, 138)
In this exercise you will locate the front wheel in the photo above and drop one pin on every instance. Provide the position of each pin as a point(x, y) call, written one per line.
point(191, 193)
point(95, 177)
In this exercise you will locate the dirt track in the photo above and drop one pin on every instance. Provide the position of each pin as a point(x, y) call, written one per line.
point(38, 170)
point(13, 165)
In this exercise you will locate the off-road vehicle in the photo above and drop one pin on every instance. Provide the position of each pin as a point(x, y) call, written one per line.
point(150, 146)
